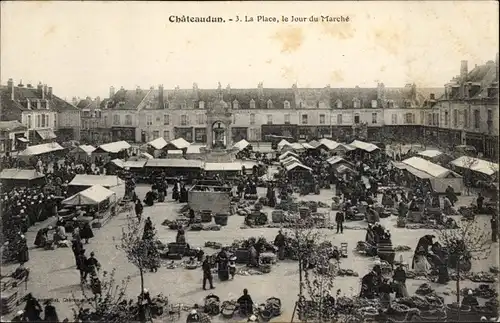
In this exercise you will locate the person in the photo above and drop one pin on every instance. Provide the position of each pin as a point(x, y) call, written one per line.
point(144, 302)
point(339, 218)
point(138, 209)
point(480, 202)
point(368, 284)
point(450, 194)
point(385, 291)
point(32, 309)
point(245, 303)
point(494, 228)
point(81, 265)
point(193, 317)
point(23, 255)
point(222, 265)
point(425, 242)
point(280, 243)
point(399, 279)
point(149, 198)
point(93, 265)
point(420, 263)
point(207, 273)
point(232, 266)
point(41, 237)
point(86, 232)
point(181, 235)
point(50, 312)
point(470, 299)
point(95, 284)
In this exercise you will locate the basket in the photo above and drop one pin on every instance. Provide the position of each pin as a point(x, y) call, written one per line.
point(304, 212)
point(227, 310)
point(278, 216)
point(257, 206)
point(221, 219)
point(313, 206)
point(206, 216)
point(265, 268)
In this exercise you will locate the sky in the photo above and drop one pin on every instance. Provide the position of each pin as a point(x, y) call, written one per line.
point(83, 48)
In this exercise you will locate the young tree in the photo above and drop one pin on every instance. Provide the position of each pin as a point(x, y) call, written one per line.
point(138, 250)
point(469, 242)
point(467, 164)
point(108, 306)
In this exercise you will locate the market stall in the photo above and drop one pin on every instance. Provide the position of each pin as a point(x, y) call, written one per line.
point(225, 170)
point(483, 168)
point(188, 169)
point(439, 177)
point(298, 173)
point(113, 150)
point(38, 150)
point(81, 182)
point(435, 156)
point(288, 154)
point(155, 147)
point(178, 144)
point(82, 152)
point(14, 177)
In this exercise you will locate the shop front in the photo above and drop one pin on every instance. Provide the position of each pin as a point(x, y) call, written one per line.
point(42, 136)
point(123, 133)
point(200, 135)
point(239, 133)
point(184, 132)
point(284, 130)
point(491, 147)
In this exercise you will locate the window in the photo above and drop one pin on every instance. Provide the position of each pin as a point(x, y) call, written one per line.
point(409, 118)
point(128, 120)
point(374, 117)
point(38, 123)
point(356, 118)
point(156, 134)
point(374, 104)
point(166, 135)
point(394, 118)
point(269, 119)
point(304, 119)
point(252, 118)
point(455, 118)
point(339, 104)
point(466, 119)
point(321, 119)
point(446, 118)
point(105, 121)
point(29, 122)
point(201, 105)
point(184, 121)
point(391, 104)
point(235, 104)
point(269, 104)
point(429, 119)
point(286, 104)
point(158, 120)
point(55, 121)
point(489, 120)
point(200, 134)
point(43, 120)
point(166, 119)
point(355, 103)
point(252, 104)
point(149, 120)
point(199, 118)
point(339, 119)
point(477, 119)
point(287, 119)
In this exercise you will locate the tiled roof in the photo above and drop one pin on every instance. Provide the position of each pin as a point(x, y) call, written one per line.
point(485, 75)
point(11, 126)
point(347, 95)
point(84, 104)
point(23, 93)
point(127, 99)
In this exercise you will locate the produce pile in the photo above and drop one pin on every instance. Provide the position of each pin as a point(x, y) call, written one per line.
point(483, 291)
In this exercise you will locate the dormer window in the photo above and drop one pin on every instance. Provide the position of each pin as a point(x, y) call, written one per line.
point(201, 104)
point(235, 104)
point(252, 104)
point(355, 103)
point(286, 104)
point(269, 104)
point(339, 104)
point(374, 104)
point(492, 92)
point(391, 104)
point(407, 104)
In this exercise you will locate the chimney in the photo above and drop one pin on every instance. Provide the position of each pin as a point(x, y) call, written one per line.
point(74, 101)
point(138, 90)
point(49, 92)
point(98, 102)
point(29, 86)
point(20, 83)
point(160, 97)
point(260, 90)
point(463, 71)
point(433, 96)
point(38, 104)
point(380, 92)
point(111, 91)
point(10, 85)
point(195, 92)
point(39, 88)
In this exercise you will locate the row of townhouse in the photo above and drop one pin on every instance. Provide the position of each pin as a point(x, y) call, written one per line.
point(465, 111)
point(41, 116)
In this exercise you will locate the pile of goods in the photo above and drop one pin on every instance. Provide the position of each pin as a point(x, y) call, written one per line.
point(347, 272)
point(270, 309)
point(424, 289)
point(212, 305)
point(402, 248)
point(213, 245)
point(483, 291)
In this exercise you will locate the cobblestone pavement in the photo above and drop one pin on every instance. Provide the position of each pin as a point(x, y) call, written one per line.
point(54, 274)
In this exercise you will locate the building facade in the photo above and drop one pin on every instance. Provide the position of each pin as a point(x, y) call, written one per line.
point(465, 111)
point(46, 116)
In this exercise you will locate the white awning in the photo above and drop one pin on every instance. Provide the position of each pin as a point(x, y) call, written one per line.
point(426, 166)
point(91, 196)
point(228, 167)
point(242, 144)
point(22, 174)
point(46, 134)
point(91, 180)
point(282, 144)
point(297, 165)
point(174, 163)
point(41, 149)
point(430, 153)
point(148, 156)
point(158, 143)
point(114, 147)
point(288, 154)
point(179, 143)
point(22, 139)
point(476, 164)
point(364, 146)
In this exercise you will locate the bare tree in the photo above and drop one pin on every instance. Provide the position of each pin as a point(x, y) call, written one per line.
point(467, 164)
point(470, 241)
point(109, 305)
point(139, 251)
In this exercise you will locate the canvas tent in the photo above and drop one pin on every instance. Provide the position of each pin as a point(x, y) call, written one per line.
point(158, 143)
point(82, 152)
point(113, 147)
point(288, 154)
point(364, 146)
point(282, 144)
point(290, 160)
point(93, 195)
point(477, 165)
point(438, 176)
point(223, 167)
point(178, 144)
point(21, 177)
point(41, 149)
point(242, 144)
point(296, 165)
